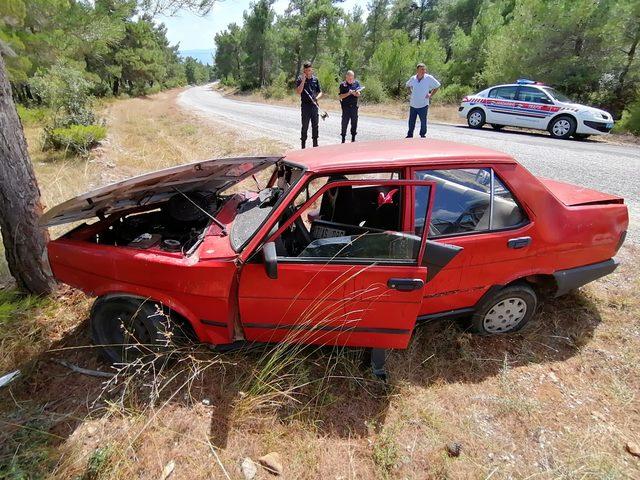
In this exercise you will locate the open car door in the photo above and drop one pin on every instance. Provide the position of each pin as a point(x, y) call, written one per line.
point(352, 277)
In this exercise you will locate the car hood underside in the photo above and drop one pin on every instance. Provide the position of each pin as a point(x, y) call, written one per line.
point(155, 187)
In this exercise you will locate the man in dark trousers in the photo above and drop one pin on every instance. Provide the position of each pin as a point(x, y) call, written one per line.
point(348, 93)
point(308, 87)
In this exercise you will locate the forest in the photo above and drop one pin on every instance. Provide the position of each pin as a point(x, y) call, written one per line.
point(61, 55)
point(586, 48)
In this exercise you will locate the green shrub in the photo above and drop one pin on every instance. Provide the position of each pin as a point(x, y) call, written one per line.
point(630, 121)
point(453, 93)
point(76, 138)
point(327, 74)
point(278, 88)
point(33, 116)
point(374, 91)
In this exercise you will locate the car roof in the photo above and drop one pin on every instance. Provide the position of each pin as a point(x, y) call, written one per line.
point(392, 153)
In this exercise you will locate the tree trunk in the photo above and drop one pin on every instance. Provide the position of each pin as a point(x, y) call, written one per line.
point(24, 240)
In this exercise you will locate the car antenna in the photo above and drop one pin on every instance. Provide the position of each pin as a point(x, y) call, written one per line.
point(217, 222)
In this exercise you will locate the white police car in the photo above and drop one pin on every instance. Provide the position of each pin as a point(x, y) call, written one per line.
point(534, 105)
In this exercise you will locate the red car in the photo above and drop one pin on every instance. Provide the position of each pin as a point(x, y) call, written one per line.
point(329, 246)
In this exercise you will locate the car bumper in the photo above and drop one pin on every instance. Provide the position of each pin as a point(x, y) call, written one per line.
point(573, 278)
point(594, 127)
point(463, 110)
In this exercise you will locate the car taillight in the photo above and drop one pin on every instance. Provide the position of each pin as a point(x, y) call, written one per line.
point(465, 99)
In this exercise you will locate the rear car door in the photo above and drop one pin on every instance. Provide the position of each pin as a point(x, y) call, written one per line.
point(348, 271)
point(473, 208)
point(502, 108)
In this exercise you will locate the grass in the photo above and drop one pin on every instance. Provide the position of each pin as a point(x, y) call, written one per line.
point(556, 400)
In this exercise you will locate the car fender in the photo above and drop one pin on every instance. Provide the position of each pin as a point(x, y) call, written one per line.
point(123, 290)
point(562, 113)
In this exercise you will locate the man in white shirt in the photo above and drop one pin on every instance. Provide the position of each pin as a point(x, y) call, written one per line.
point(423, 86)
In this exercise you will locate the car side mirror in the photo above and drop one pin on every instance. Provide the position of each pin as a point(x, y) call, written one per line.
point(270, 259)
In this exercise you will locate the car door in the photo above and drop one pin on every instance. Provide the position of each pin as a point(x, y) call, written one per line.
point(534, 107)
point(474, 209)
point(502, 105)
point(354, 277)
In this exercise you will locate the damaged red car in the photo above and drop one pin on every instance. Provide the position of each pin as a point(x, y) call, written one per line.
point(347, 245)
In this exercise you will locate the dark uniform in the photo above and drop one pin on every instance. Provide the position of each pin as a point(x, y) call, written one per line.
point(309, 109)
point(349, 109)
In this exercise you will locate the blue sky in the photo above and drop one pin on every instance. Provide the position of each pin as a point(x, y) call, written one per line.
point(194, 32)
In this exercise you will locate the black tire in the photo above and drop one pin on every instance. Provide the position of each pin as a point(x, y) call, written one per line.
point(500, 313)
point(562, 127)
point(495, 126)
point(476, 118)
point(581, 136)
point(128, 328)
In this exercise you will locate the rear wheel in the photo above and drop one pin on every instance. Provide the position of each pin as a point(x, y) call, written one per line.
point(128, 328)
point(476, 118)
point(562, 127)
point(495, 126)
point(507, 311)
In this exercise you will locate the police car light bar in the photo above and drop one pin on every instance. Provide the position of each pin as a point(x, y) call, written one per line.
point(526, 81)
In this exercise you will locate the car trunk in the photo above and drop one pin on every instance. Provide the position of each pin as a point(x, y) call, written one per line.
point(573, 195)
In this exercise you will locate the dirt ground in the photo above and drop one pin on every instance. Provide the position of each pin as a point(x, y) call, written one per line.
point(557, 400)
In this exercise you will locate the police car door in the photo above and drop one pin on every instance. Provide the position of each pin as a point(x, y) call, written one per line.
point(534, 107)
point(502, 105)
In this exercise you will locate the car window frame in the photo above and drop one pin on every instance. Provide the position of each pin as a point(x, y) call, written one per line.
point(409, 183)
point(517, 88)
point(521, 87)
point(527, 217)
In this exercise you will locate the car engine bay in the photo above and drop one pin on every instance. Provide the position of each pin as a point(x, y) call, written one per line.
point(177, 226)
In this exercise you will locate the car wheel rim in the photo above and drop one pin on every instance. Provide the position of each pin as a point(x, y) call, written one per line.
point(475, 119)
point(561, 127)
point(505, 315)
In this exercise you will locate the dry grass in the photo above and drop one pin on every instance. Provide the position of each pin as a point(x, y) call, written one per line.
point(557, 400)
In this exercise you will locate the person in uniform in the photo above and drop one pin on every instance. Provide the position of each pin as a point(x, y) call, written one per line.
point(348, 93)
point(308, 87)
point(423, 86)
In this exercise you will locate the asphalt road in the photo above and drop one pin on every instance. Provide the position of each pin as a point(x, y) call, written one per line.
point(594, 164)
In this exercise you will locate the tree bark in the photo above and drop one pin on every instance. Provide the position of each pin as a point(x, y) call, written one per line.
point(24, 240)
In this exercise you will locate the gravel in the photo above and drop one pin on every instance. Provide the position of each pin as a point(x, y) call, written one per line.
point(594, 164)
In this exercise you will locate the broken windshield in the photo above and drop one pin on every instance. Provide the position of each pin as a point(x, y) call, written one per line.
point(263, 191)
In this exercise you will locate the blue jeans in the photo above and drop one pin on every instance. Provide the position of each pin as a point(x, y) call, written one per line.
point(417, 112)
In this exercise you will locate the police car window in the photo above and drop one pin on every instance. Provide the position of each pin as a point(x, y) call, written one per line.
point(350, 222)
point(533, 95)
point(463, 202)
point(505, 93)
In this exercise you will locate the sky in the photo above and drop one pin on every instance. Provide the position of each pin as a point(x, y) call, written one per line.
point(195, 32)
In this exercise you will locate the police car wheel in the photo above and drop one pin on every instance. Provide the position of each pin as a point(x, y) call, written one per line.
point(495, 126)
point(562, 127)
point(476, 118)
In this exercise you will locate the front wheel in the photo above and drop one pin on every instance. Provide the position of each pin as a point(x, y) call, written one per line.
point(476, 118)
point(129, 328)
point(562, 127)
point(507, 311)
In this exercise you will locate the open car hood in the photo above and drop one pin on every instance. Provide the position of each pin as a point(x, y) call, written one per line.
point(155, 187)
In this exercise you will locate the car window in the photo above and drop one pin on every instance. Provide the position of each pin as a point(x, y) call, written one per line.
point(355, 222)
point(506, 93)
point(533, 95)
point(463, 203)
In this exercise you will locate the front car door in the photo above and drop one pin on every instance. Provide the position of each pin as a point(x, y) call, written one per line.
point(535, 107)
point(349, 271)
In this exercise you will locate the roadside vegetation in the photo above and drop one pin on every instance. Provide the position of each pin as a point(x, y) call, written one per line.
point(557, 400)
point(586, 49)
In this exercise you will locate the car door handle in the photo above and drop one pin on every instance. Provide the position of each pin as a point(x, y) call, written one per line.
point(519, 242)
point(405, 284)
